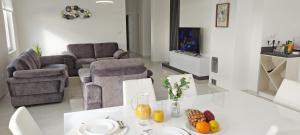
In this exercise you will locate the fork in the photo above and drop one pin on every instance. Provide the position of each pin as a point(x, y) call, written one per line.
point(186, 131)
point(121, 124)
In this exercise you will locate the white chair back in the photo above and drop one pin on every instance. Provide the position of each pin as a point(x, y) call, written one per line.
point(22, 123)
point(191, 91)
point(289, 94)
point(131, 88)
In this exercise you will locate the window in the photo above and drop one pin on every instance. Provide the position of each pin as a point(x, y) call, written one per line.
point(9, 25)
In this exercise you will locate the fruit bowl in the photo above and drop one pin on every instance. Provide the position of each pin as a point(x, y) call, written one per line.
point(202, 123)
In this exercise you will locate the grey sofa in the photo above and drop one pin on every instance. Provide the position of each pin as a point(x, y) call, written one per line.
point(36, 80)
point(85, 54)
point(104, 87)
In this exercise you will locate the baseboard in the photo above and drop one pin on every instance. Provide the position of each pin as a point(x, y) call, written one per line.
point(167, 65)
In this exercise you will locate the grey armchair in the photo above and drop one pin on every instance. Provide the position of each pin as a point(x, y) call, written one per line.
point(105, 86)
point(36, 80)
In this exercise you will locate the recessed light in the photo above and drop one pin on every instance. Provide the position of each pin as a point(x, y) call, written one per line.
point(105, 2)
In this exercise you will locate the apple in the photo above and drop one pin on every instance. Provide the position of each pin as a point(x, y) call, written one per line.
point(209, 116)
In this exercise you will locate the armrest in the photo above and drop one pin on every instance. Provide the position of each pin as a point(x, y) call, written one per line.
point(92, 93)
point(149, 73)
point(120, 54)
point(69, 54)
point(23, 74)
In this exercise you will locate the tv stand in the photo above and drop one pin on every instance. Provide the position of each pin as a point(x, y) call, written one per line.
point(189, 62)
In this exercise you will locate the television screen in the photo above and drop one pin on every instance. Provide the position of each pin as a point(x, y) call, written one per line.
point(188, 40)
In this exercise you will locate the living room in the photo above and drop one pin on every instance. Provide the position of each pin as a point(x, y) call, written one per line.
point(154, 67)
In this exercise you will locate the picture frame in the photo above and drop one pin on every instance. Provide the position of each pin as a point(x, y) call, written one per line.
point(222, 15)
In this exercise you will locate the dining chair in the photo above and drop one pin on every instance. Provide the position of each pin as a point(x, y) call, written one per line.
point(22, 123)
point(132, 88)
point(288, 94)
point(191, 91)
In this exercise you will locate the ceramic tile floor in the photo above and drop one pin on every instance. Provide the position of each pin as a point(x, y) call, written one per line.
point(50, 117)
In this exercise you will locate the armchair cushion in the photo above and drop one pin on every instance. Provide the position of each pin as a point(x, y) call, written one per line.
point(28, 61)
point(120, 54)
point(23, 74)
point(54, 59)
point(56, 66)
point(35, 57)
point(105, 49)
point(82, 50)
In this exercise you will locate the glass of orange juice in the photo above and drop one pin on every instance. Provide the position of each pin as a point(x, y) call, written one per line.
point(158, 113)
point(143, 109)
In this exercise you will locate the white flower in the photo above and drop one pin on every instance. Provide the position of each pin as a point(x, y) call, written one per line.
point(174, 91)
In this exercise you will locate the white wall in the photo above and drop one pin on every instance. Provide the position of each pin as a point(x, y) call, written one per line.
point(238, 47)
point(248, 43)
point(197, 13)
point(41, 21)
point(281, 19)
point(3, 57)
point(222, 46)
point(160, 30)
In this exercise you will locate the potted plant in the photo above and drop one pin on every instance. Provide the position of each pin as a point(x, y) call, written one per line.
point(175, 92)
point(38, 50)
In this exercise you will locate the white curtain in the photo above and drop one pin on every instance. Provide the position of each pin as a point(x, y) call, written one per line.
point(7, 5)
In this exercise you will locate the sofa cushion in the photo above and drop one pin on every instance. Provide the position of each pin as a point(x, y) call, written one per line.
point(105, 58)
point(82, 50)
point(105, 49)
point(35, 57)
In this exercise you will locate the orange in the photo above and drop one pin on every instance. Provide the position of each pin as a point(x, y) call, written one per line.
point(202, 127)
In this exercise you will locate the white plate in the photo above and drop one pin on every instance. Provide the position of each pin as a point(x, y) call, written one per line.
point(168, 131)
point(99, 127)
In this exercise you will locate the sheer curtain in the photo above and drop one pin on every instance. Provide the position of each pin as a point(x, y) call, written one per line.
point(174, 23)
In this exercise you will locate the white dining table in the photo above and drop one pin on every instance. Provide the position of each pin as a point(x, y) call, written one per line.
point(238, 113)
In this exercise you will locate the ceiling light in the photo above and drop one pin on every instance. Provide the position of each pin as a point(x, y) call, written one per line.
point(105, 2)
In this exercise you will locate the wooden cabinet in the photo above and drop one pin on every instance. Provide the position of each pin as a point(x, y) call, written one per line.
point(273, 69)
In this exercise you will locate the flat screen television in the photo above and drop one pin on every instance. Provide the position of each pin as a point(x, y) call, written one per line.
point(189, 40)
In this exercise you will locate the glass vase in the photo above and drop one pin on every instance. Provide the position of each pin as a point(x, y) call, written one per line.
point(175, 108)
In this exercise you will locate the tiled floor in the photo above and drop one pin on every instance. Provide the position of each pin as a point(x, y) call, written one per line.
point(50, 117)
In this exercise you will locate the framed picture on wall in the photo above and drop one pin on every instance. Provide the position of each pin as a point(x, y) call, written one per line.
point(222, 15)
